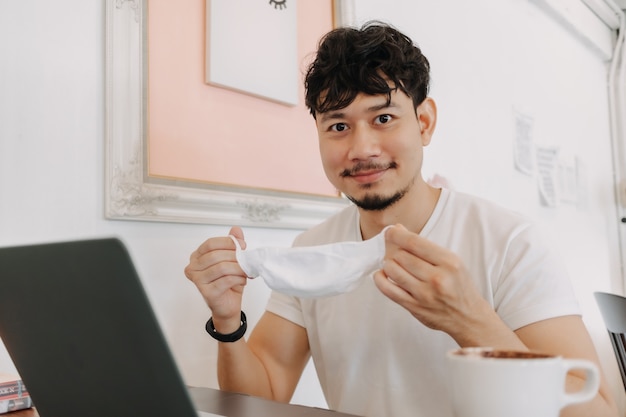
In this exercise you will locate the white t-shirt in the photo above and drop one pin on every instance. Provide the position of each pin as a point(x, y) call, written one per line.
point(373, 358)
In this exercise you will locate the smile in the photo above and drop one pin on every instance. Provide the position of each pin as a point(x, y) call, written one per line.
point(367, 177)
point(367, 173)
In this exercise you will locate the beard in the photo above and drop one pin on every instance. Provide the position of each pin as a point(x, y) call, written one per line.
point(376, 202)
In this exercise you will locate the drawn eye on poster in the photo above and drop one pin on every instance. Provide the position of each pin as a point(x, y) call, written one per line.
point(252, 47)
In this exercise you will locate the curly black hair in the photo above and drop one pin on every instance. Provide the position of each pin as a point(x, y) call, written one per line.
point(375, 59)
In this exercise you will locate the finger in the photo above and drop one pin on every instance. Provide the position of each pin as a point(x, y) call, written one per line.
point(214, 244)
point(200, 262)
point(226, 283)
point(203, 269)
point(415, 285)
point(405, 267)
point(391, 290)
point(221, 243)
point(237, 232)
point(398, 236)
point(216, 267)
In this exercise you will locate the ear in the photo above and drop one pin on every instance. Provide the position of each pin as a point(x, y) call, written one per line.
point(427, 118)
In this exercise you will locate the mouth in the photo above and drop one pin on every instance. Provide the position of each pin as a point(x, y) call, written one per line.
point(367, 173)
point(368, 177)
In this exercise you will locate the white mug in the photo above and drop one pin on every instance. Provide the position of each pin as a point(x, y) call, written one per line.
point(485, 382)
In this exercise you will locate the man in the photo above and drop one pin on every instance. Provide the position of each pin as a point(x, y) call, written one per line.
point(458, 270)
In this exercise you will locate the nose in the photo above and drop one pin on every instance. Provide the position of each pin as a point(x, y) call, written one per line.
point(364, 144)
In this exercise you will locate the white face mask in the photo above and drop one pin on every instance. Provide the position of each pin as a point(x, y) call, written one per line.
point(314, 271)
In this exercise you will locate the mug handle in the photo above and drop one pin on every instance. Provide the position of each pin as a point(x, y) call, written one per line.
point(592, 381)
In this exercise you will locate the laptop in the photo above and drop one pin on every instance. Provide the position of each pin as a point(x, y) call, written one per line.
point(81, 332)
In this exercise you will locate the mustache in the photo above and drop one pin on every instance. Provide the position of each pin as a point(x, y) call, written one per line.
point(367, 166)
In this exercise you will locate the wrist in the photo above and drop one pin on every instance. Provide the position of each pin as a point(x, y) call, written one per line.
point(230, 336)
point(226, 325)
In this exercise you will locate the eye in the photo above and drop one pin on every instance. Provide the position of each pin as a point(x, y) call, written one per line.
point(279, 4)
point(383, 118)
point(338, 127)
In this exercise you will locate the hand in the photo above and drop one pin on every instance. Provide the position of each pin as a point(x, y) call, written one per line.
point(431, 283)
point(213, 268)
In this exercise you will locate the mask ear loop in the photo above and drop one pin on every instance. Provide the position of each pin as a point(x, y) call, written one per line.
point(236, 242)
point(238, 254)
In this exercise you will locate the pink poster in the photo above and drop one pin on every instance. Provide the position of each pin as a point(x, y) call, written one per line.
point(205, 133)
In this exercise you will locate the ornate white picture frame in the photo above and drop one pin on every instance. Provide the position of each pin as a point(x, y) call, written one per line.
point(130, 194)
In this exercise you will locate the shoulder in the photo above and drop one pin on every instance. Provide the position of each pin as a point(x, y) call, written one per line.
point(467, 223)
point(463, 200)
point(477, 210)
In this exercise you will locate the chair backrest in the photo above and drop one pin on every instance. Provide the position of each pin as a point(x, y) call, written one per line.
point(613, 310)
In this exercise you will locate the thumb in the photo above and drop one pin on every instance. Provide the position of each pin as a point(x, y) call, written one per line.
point(236, 232)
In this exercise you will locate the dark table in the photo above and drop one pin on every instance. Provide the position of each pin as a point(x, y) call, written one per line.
point(235, 405)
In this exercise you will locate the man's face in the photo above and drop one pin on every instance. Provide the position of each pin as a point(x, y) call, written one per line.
point(372, 151)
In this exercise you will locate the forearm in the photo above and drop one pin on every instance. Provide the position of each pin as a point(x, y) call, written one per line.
point(500, 337)
point(599, 406)
point(484, 328)
point(239, 370)
point(490, 331)
point(269, 363)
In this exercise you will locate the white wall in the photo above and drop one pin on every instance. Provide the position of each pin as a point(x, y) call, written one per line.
point(51, 146)
point(51, 169)
point(519, 59)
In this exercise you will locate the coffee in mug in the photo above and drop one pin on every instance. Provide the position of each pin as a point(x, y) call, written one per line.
point(486, 382)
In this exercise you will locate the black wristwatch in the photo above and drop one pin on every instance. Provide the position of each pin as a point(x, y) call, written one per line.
point(231, 337)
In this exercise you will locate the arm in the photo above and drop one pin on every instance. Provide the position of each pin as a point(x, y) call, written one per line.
point(433, 285)
point(567, 336)
point(270, 364)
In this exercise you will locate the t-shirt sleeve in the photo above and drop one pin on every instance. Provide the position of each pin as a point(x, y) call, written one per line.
point(286, 306)
point(534, 284)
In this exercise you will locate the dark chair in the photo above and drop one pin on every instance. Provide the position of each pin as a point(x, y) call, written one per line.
point(613, 310)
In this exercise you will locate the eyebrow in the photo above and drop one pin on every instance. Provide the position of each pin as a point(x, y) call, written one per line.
point(340, 115)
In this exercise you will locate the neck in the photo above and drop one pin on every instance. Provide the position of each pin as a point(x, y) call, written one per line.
point(412, 211)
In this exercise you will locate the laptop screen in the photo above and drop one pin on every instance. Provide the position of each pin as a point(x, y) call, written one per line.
point(79, 328)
